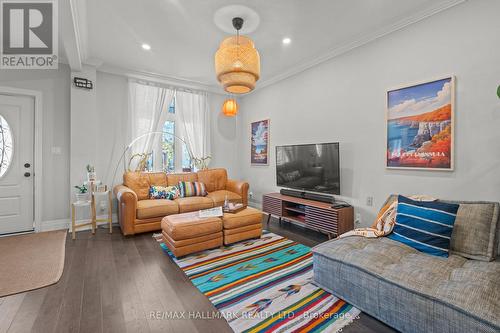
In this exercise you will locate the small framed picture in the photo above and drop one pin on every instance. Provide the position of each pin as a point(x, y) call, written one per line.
point(259, 150)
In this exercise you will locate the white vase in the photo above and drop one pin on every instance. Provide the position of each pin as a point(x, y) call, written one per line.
point(81, 197)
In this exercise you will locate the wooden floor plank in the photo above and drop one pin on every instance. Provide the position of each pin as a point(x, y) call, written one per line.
point(8, 309)
point(132, 308)
point(111, 300)
point(91, 320)
point(71, 306)
point(147, 293)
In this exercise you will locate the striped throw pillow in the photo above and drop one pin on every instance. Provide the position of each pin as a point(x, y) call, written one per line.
point(192, 189)
point(425, 226)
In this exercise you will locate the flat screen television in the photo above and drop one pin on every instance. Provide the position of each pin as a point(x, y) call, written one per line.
point(309, 167)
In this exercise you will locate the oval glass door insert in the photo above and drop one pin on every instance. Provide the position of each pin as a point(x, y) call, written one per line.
point(6, 146)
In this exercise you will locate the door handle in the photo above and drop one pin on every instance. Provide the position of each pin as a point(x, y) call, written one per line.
point(27, 174)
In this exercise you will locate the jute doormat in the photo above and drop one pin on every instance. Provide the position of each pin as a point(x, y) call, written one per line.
point(31, 261)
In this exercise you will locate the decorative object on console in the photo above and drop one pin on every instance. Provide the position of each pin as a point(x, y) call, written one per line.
point(259, 152)
point(420, 126)
point(237, 62)
point(230, 107)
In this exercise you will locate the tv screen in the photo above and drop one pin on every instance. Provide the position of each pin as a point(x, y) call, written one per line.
point(310, 167)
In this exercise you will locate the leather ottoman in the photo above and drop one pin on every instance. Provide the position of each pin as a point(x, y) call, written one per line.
point(188, 233)
point(242, 225)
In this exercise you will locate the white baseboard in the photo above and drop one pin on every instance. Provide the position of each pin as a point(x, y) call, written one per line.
point(66, 223)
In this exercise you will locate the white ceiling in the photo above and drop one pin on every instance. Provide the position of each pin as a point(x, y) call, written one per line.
point(184, 38)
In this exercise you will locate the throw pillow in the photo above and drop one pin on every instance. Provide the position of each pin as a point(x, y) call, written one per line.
point(192, 189)
point(425, 226)
point(163, 192)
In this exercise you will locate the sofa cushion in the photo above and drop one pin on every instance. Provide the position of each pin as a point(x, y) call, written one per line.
point(220, 196)
point(186, 226)
point(156, 208)
point(140, 182)
point(425, 226)
point(475, 232)
point(192, 189)
point(194, 203)
point(214, 179)
point(163, 192)
point(469, 285)
point(243, 218)
point(173, 179)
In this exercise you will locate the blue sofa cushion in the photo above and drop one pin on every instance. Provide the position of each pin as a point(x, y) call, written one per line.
point(425, 226)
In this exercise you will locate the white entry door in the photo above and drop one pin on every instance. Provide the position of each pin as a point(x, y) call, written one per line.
point(16, 163)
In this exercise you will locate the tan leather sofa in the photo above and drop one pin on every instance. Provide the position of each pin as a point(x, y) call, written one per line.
point(137, 213)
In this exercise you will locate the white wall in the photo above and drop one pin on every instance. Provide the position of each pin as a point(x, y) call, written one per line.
point(344, 100)
point(224, 131)
point(55, 87)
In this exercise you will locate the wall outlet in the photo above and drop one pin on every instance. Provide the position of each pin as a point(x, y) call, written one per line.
point(369, 201)
point(250, 194)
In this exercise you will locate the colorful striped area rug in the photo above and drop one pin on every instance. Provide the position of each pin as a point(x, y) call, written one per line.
point(264, 285)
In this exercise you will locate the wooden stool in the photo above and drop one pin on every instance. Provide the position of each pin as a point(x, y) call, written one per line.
point(90, 222)
point(109, 219)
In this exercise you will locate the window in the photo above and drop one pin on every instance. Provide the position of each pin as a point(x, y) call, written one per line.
point(5, 146)
point(175, 155)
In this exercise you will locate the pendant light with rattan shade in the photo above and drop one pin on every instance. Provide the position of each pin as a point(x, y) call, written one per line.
point(237, 62)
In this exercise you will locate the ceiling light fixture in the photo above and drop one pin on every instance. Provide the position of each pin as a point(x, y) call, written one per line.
point(146, 47)
point(286, 41)
point(237, 62)
point(230, 107)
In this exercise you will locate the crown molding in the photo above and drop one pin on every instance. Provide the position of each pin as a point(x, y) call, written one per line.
point(363, 40)
point(79, 17)
point(161, 79)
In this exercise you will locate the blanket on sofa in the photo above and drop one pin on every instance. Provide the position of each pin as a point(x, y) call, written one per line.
point(385, 221)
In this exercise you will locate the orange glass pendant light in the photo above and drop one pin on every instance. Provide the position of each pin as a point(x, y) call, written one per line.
point(237, 62)
point(230, 107)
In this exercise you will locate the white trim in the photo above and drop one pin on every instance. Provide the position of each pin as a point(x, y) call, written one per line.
point(66, 223)
point(161, 78)
point(38, 173)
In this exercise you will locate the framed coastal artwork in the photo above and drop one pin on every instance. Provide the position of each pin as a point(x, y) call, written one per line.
point(259, 150)
point(420, 125)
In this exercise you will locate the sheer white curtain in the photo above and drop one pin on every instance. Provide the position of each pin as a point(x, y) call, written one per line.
point(194, 115)
point(147, 113)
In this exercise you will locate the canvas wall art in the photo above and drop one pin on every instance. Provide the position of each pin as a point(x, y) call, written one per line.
point(420, 126)
point(260, 142)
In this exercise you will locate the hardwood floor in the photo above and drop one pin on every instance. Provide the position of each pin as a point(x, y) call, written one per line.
point(113, 283)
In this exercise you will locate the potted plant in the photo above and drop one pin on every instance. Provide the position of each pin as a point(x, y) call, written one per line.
point(91, 176)
point(81, 195)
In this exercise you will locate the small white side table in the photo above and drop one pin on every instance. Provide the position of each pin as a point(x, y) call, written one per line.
point(91, 222)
